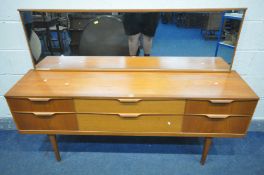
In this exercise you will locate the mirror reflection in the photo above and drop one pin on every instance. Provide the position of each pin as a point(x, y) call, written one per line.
point(191, 34)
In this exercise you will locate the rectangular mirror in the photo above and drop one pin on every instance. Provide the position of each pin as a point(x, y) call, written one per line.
point(206, 39)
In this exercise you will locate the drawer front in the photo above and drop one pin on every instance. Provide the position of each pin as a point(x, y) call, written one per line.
point(115, 123)
point(220, 107)
point(41, 104)
point(130, 106)
point(30, 121)
point(204, 124)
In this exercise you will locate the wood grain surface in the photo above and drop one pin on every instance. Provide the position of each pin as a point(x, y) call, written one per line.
point(115, 123)
point(117, 63)
point(143, 106)
point(132, 85)
point(206, 107)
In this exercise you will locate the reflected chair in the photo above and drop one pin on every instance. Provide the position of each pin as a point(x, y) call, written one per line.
point(104, 36)
point(35, 46)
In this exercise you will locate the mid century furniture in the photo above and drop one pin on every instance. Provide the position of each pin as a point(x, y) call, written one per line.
point(95, 40)
point(140, 97)
point(78, 22)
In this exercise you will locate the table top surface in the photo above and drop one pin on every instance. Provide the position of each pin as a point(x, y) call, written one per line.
point(119, 63)
point(91, 84)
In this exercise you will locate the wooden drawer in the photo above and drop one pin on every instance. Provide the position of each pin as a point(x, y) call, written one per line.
point(123, 123)
point(41, 104)
point(45, 121)
point(215, 124)
point(220, 107)
point(130, 106)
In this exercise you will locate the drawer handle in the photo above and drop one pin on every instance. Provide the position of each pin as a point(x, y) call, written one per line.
point(219, 116)
point(39, 99)
point(128, 115)
point(221, 101)
point(43, 114)
point(129, 100)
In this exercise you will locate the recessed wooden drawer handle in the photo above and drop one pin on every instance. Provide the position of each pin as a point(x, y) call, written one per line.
point(129, 100)
point(217, 116)
point(39, 99)
point(44, 114)
point(127, 115)
point(221, 101)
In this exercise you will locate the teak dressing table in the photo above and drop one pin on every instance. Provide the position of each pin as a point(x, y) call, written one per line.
point(135, 96)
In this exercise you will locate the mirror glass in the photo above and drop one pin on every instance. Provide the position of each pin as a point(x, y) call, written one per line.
point(162, 34)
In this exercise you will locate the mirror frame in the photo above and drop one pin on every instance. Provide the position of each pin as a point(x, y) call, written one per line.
point(133, 10)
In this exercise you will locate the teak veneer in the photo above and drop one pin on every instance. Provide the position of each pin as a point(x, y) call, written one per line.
point(131, 103)
point(119, 63)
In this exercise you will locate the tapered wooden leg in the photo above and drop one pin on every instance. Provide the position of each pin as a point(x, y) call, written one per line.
point(54, 144)
point(207, 144)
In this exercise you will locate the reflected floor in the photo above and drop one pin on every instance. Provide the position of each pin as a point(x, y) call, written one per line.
point(181, 41)
point(171, 40)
